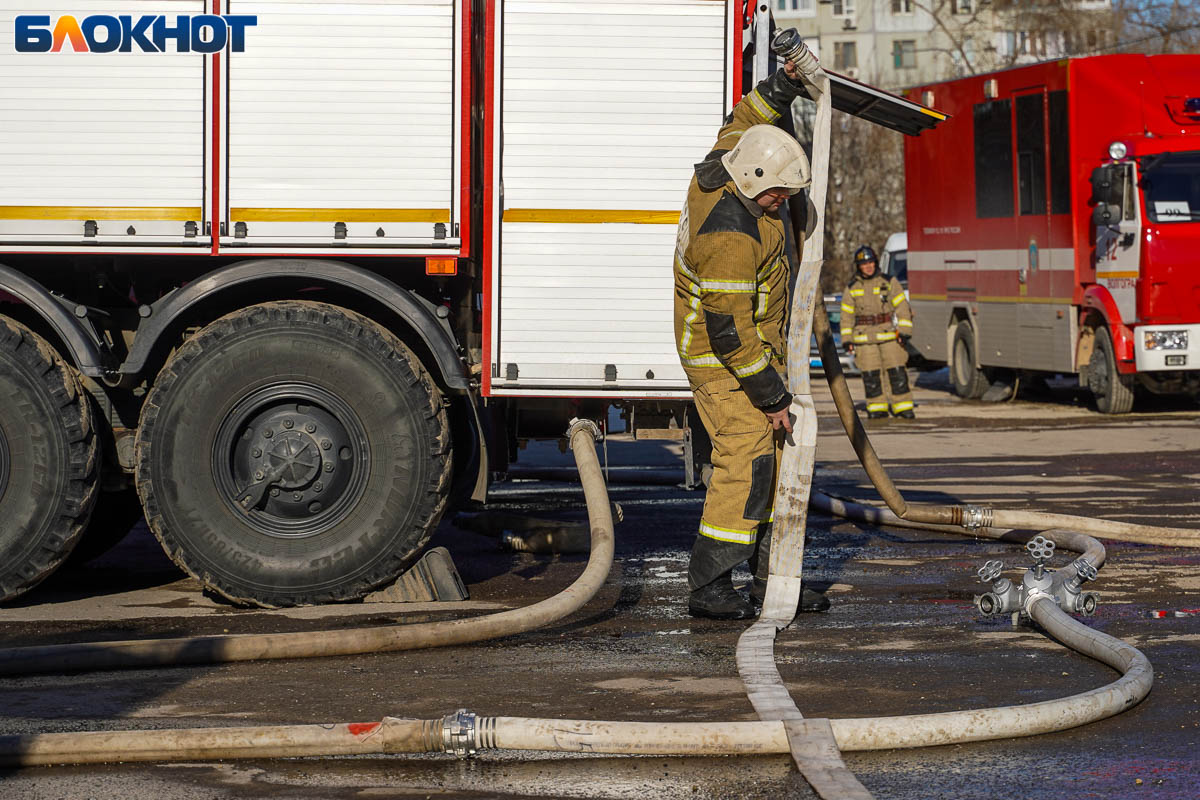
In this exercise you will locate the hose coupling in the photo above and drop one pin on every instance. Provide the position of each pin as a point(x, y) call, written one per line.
point(976, 517)
point(1088, 602)
point(987, 603)
point(458, 734)
point(576, 425)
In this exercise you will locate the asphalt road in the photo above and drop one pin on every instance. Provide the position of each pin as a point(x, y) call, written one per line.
point(902, 636)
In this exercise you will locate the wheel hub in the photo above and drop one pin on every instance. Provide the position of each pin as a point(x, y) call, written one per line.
point(295, 458)
point(292, 459)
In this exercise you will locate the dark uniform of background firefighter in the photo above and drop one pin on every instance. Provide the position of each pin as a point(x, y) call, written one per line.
point(731, 304)
point(876, 323)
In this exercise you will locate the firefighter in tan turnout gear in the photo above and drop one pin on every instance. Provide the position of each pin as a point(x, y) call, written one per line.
point(731, 304)
point(876, 322)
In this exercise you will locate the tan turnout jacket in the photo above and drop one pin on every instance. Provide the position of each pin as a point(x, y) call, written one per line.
point(868, 305)
point(731, 273)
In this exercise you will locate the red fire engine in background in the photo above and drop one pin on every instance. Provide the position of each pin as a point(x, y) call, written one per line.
point(1054, 224)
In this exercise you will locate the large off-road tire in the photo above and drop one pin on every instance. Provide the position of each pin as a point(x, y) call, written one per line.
point(967, 378)
point(293, 453)
point(49, 465)
point(1112, 390)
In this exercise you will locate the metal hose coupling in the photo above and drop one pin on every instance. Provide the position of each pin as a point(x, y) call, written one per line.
point(464, 734)
point(578, 424)
point(788, 45)
point(458, 734)
point(973, 517)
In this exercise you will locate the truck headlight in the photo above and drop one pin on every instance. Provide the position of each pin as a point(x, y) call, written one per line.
point(1165, 340)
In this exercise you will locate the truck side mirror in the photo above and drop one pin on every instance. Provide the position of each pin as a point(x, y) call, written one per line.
point(1108, 184)
point(1105, 214)
point(1102, 184)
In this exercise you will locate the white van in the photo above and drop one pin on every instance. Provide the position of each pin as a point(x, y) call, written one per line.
point(894, 261)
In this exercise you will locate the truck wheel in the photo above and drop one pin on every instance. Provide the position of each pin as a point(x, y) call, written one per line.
point(293, 453)
point(1112, 390)
point(48, 460)
point(965, 375)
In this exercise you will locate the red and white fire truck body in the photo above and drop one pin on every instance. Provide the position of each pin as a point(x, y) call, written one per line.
point(1053, 224)
point(245, 229)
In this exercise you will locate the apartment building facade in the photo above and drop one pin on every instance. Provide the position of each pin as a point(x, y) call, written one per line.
point(898, 43)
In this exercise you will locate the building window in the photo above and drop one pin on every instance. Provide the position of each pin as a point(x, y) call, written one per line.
point(845, 55)
point(902, 6)
point(843, 8)
point(904, 54)
point(798, 8)
point(960, 6)
point(993, 159)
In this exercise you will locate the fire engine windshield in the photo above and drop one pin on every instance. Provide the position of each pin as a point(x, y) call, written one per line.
point(1171, 183)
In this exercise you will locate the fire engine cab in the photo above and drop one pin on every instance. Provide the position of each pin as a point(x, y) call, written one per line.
point(1054, 225)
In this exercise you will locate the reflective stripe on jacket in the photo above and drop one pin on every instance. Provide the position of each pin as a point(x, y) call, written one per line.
point(868, 307)
point(731, 272)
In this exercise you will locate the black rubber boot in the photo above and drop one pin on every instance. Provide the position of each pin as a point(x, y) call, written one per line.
point(719, 600)
point(877, 415)
point(810, 601)
point(907, 413)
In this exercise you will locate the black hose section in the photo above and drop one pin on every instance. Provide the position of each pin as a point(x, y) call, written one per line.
point(92, 656)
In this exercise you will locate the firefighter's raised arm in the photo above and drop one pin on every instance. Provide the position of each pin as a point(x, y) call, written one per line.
point(765, 104)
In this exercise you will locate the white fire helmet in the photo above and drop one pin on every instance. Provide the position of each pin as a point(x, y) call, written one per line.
point(764, 158)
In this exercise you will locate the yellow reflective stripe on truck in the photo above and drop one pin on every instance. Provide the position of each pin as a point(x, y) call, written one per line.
point(158, 213)
point(590, 216)
point(340, 214)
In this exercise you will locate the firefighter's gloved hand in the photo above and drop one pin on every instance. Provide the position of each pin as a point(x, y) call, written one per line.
point(904, 338)
point(781, 419)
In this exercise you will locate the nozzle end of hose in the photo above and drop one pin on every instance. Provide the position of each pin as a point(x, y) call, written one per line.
point(577, 425)
point(1088, 603)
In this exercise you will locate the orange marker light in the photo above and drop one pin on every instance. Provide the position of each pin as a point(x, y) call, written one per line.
point(440, 265)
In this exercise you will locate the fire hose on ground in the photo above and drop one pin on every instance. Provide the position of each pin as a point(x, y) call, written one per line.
point(463, 733)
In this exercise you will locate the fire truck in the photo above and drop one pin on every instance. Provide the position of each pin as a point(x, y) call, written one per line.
point(1053, 225)
point(288, 277)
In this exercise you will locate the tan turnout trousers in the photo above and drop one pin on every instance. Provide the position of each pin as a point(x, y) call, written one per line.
point(884, 376)
point(738, 508)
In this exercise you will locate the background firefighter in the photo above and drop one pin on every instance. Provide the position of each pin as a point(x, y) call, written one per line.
point(731, 304)
point(868, 306)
